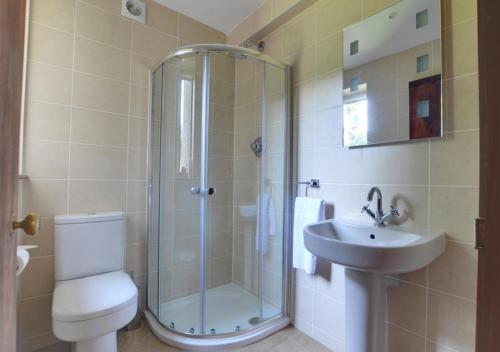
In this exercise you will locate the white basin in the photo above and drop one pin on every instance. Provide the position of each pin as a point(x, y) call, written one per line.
point(369, 253)
point(248, 210)
point(380, 250)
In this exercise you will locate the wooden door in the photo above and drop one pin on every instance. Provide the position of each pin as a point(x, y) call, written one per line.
point(12, 17)
point(488, 298)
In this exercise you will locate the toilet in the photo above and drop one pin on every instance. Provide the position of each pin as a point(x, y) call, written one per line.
point(93, 296)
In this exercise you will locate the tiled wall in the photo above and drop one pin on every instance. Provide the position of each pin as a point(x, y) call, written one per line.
point(85, 128)
point(433, 183)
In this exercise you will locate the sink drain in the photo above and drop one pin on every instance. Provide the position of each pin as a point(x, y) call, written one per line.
point(254, 320)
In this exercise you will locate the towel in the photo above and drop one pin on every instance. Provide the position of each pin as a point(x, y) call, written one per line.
point(307, 211)
point(266, 212)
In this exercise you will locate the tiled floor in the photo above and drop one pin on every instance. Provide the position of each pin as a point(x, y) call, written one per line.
point(287, 340)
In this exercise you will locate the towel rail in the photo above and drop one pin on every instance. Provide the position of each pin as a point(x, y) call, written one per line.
point(313, 183)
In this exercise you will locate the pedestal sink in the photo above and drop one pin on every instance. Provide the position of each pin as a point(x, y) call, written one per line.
point(370, 253)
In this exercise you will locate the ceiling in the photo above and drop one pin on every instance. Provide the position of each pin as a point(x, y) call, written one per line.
point(223, 15)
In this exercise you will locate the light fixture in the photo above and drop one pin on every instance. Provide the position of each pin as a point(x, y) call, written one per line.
point(134, 9)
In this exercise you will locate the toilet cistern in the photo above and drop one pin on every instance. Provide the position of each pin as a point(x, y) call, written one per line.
point(379, 216)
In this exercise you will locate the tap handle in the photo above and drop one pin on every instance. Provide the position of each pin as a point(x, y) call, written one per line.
point(395, 211)
point(365, 208)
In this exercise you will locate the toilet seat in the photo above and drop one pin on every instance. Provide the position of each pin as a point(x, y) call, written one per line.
point(93, 306)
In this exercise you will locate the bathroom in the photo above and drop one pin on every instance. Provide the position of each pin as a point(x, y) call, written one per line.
point(221, 143)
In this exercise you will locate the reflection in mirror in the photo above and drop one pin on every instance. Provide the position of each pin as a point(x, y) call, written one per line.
point(392, 75)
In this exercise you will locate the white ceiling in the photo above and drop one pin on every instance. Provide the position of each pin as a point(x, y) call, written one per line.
point(223, 15)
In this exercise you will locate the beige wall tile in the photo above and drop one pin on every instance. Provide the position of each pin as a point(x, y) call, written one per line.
point(455, 160)
point(136, 196)
point(42, 11)
point(38, 277)
point(96, 196)
point(136, 228)
point(50, 46)
point(137, 165)
point(406, 306)
point(98, 163)
point(47, 198)
point(333, 16)
point(104, 27)
point(139, 102)
point(38, 165)
point(113, 6)
point(401, 340)
point(102, 60)
point(299, 33)
point(35, 316)
point(462, 103)
point(455, 272)
point(453, 211)
point(93, 127)
point(138, 129)
point(47, 121)
point(329, 316)
point(195, 32)
point(451, 321)
point(460, 49)
point(151, 43)
point(100, 94)
point(329, 54)
point(135, 259)
point(456, 11)
point(412, 161)
point(49, 83)
point(141, 67)
point(161, 18)
point(371, 7)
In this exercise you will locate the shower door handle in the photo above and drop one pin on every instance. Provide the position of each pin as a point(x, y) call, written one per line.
point(211, 191)
point(195, 190)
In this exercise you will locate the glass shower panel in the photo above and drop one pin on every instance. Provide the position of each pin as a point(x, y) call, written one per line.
point(272, 188)
point(154, 175)
point(179, 238)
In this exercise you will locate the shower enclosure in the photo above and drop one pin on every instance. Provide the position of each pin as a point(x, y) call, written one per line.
point(218, 198)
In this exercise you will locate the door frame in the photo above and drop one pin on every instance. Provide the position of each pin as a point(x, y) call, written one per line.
point(12, 40)
point(488, 231)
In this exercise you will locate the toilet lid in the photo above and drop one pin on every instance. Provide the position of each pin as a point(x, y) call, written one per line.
point(92, 297)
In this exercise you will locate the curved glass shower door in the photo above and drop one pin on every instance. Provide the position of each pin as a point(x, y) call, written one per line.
point(218, 160)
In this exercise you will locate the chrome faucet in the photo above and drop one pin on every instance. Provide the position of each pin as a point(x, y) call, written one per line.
point(379, 216)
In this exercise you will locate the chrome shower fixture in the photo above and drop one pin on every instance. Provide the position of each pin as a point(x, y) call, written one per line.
point(134, 9)
point(256, 147)
point(259, 45)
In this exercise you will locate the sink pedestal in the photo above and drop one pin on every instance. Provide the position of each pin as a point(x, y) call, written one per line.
point(366, 311)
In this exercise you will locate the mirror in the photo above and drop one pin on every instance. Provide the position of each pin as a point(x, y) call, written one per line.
point(392, 75)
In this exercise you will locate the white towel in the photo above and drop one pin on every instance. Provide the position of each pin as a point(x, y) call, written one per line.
point(307, 211)
point(268, 221)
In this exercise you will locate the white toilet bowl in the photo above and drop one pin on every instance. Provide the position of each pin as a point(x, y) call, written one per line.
point(89, 311)
point(93, 297)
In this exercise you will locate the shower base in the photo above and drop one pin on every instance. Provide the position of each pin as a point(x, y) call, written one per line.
point(227, 307)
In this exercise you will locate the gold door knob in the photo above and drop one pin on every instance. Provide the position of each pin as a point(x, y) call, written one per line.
point(30, 224)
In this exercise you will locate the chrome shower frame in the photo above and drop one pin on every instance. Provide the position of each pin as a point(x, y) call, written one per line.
point(272, 325)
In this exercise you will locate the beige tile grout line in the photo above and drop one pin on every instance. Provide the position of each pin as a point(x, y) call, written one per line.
point(68, 175)
point(128, 121)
